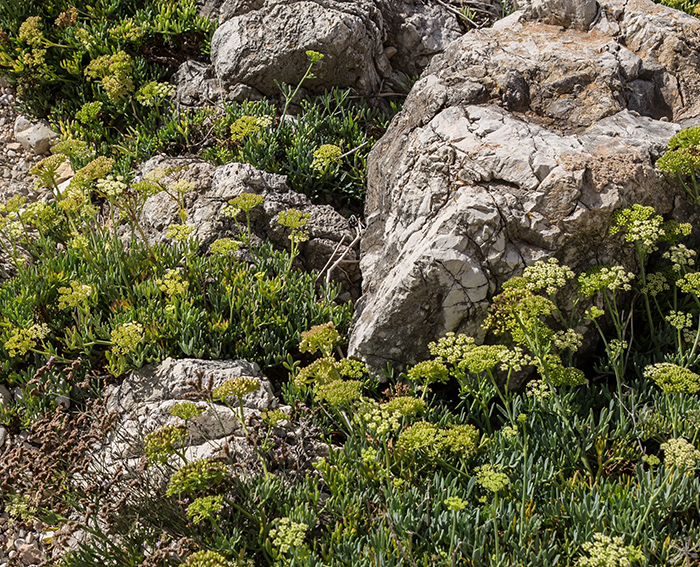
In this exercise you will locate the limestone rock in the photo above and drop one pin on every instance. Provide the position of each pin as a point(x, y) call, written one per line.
point(262, 46)
point(35, 138)
point(517, 144)
point(215, 186)
point(144, 399)
point(262, 42)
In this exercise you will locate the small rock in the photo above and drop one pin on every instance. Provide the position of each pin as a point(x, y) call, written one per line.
point(30, 554)
point(5, 396)
point(3, 434)
point(62, 401)
point(15, 146)
point(11, 153)
point(64, 172)
point(34, 138)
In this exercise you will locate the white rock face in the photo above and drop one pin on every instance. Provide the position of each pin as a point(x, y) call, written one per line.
point(517, 144)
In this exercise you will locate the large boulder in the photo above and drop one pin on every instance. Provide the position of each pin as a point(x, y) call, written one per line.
point(368, 45)
point(518, 144)
point(268, 45)
point(330, 234)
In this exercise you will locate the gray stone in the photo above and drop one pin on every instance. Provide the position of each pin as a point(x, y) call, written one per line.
point(330, 234)
point(260, 48)
point(144, 400)
point(35, 138)
point(196, 84)
point(5, 396)
point(575, 14)
point(255, 45)
point(518, 144)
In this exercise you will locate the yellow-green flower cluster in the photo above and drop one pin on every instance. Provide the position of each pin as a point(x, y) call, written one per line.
point(681, 257)
point(376, 418)
point(126, 338)
point(21, 341)
point(639, 228)
point(247, 201)
point(296, 220)
point(451, 348)
point(76, 295)
point(483, 358)
point(31, 32)
point(429, 372)
point(293, 218)
point(46, 170)
point(179, 232)
point(490, 479)
point(509, 432)
point(275, 416)
point(514, 359)
point(606, 551)
point(568, 339)
point(690, 283)
point(320, 371)
point(460, 440)
point(673, 378)
point(207, 559)
point(339, 392)
point(288, 535)
point(111, 186)
point(224, 246)
point(205, 508)
point(153, 93)
point(185, 410)
point(96, 169)
point(197, 476)
point(679, 320)
point(601, 277)
point(616, 348)
point(548, 276)
point(566, 376)
point(74, 149)
point(172, 284)
point(320, 338)
point(326, 156)
point(247, 125)
point(405, 406)
point(656, 284)
point(455, 504)
point(351, 369)
point(160, 444)
point(429, 441)
point(680, 454)
point(237, 387)
point(41, 216)
point(115, 72)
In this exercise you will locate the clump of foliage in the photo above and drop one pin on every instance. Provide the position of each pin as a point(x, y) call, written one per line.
point(82, 293)
point(98, 62)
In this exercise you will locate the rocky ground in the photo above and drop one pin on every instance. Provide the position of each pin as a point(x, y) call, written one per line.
point(15, 161)
point(20, 544)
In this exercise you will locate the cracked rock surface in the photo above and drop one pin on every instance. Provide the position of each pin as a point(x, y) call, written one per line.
point(518, 144)
point(368, 45)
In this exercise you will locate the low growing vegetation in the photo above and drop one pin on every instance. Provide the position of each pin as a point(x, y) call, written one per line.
point(447, 463)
